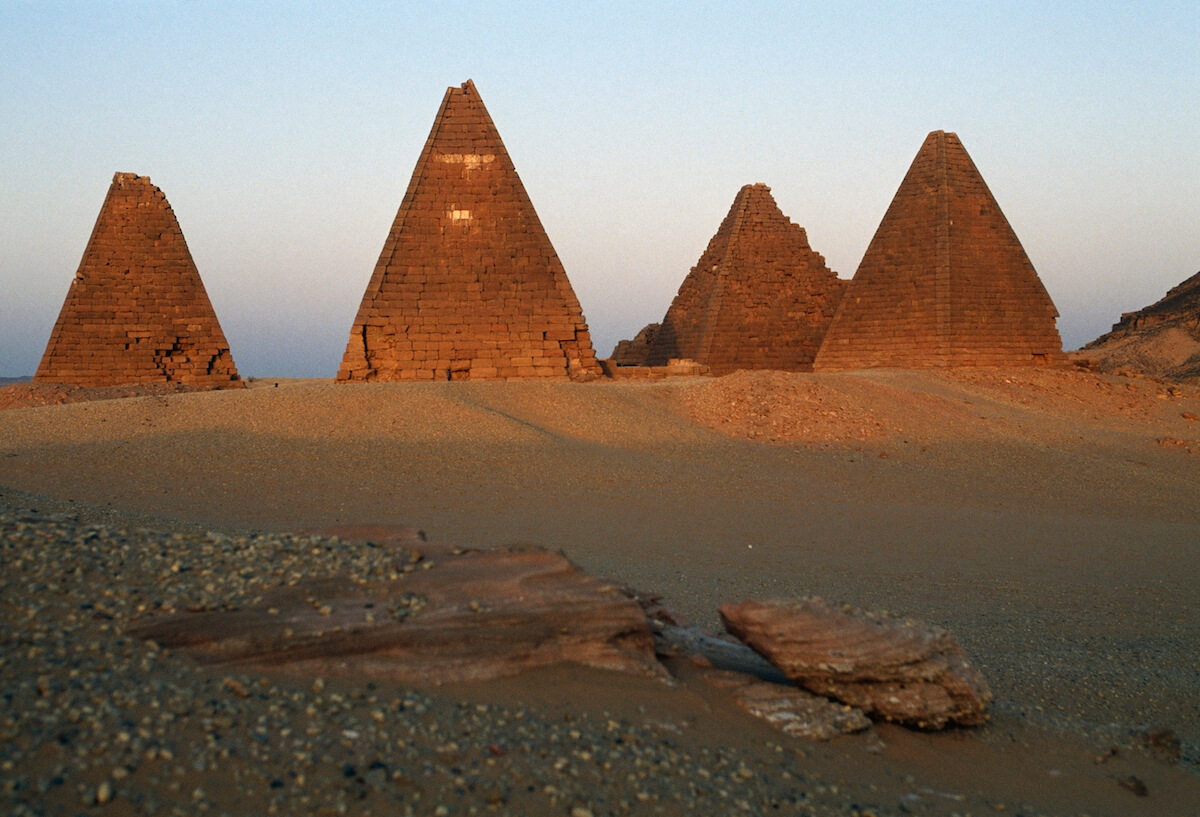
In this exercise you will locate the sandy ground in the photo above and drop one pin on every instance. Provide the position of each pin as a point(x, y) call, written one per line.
point(1049, 519)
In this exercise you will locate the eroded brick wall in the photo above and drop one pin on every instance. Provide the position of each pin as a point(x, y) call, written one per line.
point(945, 281)
point(634, 352)
point(759, 298)
point(468, 285)
point(137, 311)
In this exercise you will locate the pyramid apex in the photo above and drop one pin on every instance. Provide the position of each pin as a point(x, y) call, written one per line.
point(122, 178)
point(469, 85)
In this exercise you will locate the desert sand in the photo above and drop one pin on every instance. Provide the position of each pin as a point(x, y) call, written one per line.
point(1049, 519)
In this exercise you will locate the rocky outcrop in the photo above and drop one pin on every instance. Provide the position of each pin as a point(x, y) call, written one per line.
point(898, 670)
point(447, 616)
point(1161, 340)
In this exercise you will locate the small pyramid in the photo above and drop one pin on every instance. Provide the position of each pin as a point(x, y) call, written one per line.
point(137, 311)
point(759, 298)
point(945, 281)
point(468, 285)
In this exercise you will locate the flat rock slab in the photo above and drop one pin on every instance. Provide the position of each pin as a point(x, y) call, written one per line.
point(898, 670)
point(462, 616)
point(789, 709)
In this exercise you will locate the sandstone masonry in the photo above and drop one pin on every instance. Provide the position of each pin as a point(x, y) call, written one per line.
point(945, 281)
point(468, 285)
point(137, 311)
point(759, 297)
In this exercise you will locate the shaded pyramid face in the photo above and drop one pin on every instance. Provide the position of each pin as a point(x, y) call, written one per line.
point(759, 298)
point(468, 285)
point(944, 282)
point(137, 311)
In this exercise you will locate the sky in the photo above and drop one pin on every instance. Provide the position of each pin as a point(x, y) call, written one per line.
point(285, 134)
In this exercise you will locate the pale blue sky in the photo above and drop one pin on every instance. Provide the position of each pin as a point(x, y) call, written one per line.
point(284, 135)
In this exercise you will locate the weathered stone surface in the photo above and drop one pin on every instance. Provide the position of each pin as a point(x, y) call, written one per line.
point(758, 298)
point(457, 616)
point(468, 285)
point(634, 352)
point(1160, 340)
point(137, 311)
point(945, 281)
point(790, 709)
point(899, 670)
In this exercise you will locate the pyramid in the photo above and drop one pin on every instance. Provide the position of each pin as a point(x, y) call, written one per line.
point(759, 297)
point(944, 282)
point(137, 311)
point(468, 285)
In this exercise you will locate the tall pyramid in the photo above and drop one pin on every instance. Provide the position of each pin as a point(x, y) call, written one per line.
point(944, 282)
point(759, 297)
point(468, 285)
point(137, 311)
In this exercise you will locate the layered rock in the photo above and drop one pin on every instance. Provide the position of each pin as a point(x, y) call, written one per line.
point(944, 281)
point(451, 616)
point(1160, 340)
point(137, 311)
point(898, 670)
point(468, 285)
point(758, 298)
point(789, 709)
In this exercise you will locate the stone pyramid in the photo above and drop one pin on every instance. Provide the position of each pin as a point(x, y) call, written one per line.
point(944, 282)
point(137, 311)
point(468, 285)
point(759, 298)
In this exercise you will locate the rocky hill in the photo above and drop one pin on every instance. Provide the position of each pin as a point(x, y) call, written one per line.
point(1161, 340)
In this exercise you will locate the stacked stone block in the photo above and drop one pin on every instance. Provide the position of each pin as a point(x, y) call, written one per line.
point(137, 311)
point(468, 285)
point(759, 298)
point(945, 281)
point(634, 352)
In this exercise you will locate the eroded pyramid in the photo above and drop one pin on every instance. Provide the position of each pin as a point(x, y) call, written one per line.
point(137, 311)
point(945, 281)
point(759, 297)
point(468, 285)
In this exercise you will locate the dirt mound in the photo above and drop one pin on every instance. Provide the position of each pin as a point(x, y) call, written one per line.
point(1161, 340)
point(27, 395)
point(781, 406)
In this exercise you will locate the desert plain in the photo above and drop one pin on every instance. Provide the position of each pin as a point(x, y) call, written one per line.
point(1048, 518)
